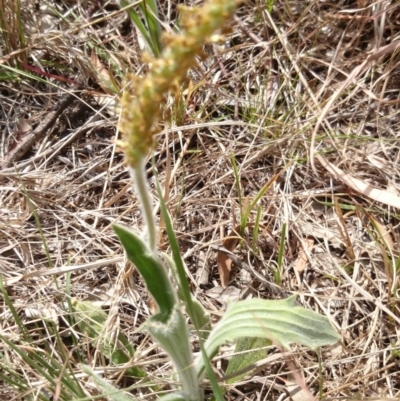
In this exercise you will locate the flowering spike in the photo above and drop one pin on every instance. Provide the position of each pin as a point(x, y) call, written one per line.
point(141, 101)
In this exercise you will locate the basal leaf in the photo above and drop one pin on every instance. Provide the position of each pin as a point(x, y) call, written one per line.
point(248, 350)
point(112, 393)
point(173, 337)
point(91, 320)
point(279, 321)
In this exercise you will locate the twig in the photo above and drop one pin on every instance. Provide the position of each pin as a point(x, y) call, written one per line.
point(21, 149)
point(271, 287)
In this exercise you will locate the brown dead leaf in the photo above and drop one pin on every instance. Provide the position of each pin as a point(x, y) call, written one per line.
point(298, 393)
point(296, 384)
point(224, 295)
point(385, 233)
point(21, 133)
point(224, 263)
point(343, 230)
point(379, 195)
point(23, 126)
point(41, 312)
point(103, 77)
point(385, 243)
point(302, 258)
point(203, 268)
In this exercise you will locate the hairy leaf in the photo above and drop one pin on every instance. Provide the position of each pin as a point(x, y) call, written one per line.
point(279, 321)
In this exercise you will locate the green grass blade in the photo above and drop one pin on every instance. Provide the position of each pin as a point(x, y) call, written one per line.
point(9, 376)
point(202, 317)
point(177, 258)
point(150, 13)
point(27, 337)
point(35, 362)
point(260, 194)
point(243, 220)
point(150, 33)
point(184, 286)
point(256, 228)
point(278, 272)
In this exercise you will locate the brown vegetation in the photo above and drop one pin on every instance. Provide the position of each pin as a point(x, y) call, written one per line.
point(308, 92)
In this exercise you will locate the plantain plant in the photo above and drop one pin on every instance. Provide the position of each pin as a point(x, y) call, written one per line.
point(279, 321)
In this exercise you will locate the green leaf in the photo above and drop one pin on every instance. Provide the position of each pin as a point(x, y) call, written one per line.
point(22, 327)
point(91, 320)
point(110, 391)
point(173, 337)
point(203, 319)
point(177, 396)
point(150, 30)
point(48, 367)
point(168, 327)
point(201, 316)
point(279, 321)
point(256, 351)
point(184, 288)
point(149, 11)
point(151, 269)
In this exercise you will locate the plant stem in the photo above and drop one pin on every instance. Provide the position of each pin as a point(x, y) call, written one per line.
point(138, 176)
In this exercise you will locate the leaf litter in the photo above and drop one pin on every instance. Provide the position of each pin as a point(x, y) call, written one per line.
point(309, 80)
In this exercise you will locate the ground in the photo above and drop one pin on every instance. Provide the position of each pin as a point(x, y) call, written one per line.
point(300, 99)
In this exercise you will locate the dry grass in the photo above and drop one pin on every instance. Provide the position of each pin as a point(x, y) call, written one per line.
point(309, 82)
